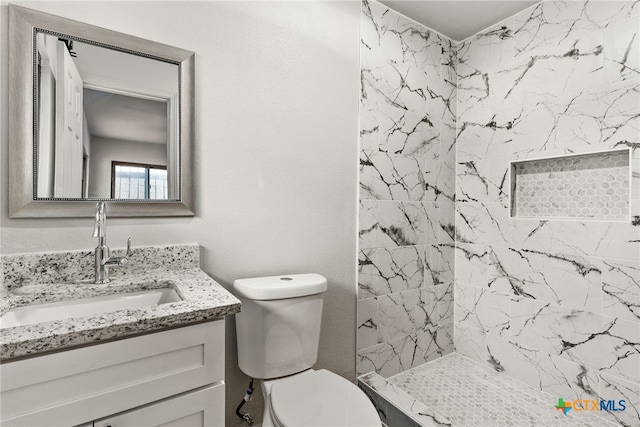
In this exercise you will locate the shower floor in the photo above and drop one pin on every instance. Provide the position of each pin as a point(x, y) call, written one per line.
point(459, 392)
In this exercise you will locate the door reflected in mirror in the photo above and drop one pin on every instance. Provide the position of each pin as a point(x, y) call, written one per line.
point(106, 122)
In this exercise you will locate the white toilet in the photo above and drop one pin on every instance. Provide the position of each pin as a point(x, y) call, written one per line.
point(278, 331)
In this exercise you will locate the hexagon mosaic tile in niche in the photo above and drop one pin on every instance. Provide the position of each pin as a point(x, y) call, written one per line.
point(590, 186)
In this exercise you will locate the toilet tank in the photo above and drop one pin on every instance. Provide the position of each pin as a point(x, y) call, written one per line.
point(278, 329)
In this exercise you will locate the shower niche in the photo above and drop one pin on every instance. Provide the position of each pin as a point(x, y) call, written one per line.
point(593, 186)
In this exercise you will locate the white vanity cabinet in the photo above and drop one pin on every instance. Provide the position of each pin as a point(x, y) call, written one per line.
point(203, 407)
point(172, 377)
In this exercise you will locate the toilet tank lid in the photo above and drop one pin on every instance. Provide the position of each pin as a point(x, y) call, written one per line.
point(280, 287)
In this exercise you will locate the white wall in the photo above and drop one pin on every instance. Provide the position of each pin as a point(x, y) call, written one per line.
point(275, 160)
point(106, 150)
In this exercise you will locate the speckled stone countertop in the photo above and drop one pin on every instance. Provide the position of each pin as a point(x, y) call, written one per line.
point(41, 278)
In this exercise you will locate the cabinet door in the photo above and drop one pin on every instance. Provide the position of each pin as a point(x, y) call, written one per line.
point(204, 407)
point(89, 383)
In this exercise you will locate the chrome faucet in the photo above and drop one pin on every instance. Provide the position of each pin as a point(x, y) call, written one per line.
point(103, 258)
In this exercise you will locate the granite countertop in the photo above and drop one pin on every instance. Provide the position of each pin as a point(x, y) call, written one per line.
point(202, 299)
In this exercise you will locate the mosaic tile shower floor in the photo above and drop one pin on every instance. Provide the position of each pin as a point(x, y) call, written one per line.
point(456, 391)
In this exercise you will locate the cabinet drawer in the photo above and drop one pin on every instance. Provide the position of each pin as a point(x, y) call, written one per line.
point(198, 408)
point(76, 386)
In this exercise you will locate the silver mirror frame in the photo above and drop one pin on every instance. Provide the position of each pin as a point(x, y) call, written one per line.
point(22, 24)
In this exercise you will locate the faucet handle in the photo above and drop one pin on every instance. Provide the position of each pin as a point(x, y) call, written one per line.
point(120, 260)
point(125, 259)
point(129, 251)
point(98, 227)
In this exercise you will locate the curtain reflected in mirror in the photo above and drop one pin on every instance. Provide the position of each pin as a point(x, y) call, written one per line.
point(106, 123)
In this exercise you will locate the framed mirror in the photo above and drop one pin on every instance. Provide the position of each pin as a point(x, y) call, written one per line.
point(96, 115)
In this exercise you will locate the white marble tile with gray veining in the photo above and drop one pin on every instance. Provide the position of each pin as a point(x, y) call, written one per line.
point(446, 223)
point(558, 27)
point(555, 79)
point(487, 51)
point(439, 264)
point(390, 270)
point(617, 389)
point(441, 99)
point(403, 223)
point(385, 176)
point(406, 352)
point(604, 344)
point(621, 289)
point(595, 119)
point(367, 273)
point(445, 294)
point(381, 359)
point(470, 341)
point(391, 357)
point(569, 280)
point(439, 178)
point(483, 179)
point(448, 143)
point(436, 342)
point(483, 223)
point(584, 238)
point(369, 232)
point(402, 314)
point(392, 51)
point(483, 140)
point(409, 134)
point(481, 309)
point(622, 50)
point(471, 265)
point(367, 318)
point(538, 369)
point(369, 126)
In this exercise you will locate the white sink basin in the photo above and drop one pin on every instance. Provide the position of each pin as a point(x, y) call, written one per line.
point(48, 312)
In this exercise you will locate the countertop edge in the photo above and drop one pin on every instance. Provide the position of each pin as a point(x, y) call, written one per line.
point(204, 299)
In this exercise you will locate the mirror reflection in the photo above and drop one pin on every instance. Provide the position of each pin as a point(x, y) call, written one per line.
point(106, 122)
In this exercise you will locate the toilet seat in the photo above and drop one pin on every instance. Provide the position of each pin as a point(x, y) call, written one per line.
point(320, 398)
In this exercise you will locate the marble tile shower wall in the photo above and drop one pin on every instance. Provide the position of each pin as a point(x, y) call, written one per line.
point(554, 303)
point(407, 175)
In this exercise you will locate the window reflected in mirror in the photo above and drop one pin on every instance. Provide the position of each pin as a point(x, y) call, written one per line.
point(138, 181)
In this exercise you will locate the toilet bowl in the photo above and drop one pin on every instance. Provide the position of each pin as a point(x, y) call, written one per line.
point(316, 399)
point(278, 333)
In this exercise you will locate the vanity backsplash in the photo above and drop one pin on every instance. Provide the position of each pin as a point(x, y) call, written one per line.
point(60, 267)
